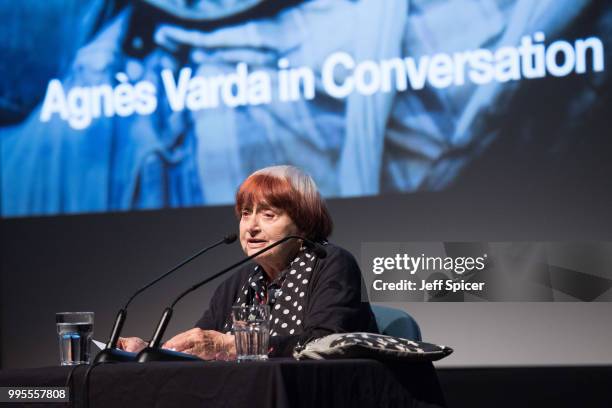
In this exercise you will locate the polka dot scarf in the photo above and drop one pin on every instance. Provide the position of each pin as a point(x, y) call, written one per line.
point(286, 295)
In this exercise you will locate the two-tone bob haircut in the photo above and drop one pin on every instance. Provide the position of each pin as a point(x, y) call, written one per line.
point(291, 190)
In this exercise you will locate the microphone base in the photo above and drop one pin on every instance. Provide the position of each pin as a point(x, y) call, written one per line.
point(114, 355)
point(158, 354)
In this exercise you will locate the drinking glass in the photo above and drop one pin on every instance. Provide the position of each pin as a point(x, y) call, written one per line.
point(251, 326)
point(75, 330)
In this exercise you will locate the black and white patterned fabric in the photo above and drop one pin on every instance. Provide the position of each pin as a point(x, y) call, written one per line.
point(286, 296)
point(369, 345)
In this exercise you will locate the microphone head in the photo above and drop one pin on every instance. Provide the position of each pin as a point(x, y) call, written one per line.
point(228, 239)
point(317, 248)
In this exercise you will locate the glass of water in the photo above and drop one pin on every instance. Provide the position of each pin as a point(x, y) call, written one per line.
point(251, 326)
point(75, 330)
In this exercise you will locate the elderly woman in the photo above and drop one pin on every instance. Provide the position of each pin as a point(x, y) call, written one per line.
point(308, 297)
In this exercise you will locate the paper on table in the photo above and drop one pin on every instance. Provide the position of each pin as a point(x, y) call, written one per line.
point(99, 344)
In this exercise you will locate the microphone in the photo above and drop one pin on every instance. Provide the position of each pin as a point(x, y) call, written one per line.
point(154, 353)
point(111, 353)
point(318, 249)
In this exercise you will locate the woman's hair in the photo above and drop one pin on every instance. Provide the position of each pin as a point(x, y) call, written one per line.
point(291, 190)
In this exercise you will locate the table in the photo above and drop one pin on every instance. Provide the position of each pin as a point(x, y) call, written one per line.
point(275, 383)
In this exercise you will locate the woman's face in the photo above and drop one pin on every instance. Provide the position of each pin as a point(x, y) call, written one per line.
point(263, 225)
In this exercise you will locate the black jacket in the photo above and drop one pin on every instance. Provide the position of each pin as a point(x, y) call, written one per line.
point(332, 302)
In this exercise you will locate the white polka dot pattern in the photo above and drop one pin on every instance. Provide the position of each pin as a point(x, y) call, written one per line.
point(287, 311)
point(369, 345)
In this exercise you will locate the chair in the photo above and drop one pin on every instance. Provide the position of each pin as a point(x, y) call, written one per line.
point(396, 322)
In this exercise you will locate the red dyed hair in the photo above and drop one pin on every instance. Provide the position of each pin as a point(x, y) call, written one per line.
point(291, 190)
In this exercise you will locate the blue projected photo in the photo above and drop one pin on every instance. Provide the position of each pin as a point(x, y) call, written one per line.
point(150, 104)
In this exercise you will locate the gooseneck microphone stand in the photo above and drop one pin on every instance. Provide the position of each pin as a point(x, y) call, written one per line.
point(111, 353)
point(155, 353)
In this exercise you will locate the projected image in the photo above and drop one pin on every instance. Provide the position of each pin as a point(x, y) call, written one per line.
point(127, 105)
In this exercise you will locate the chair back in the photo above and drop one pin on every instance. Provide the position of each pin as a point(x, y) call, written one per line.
point(396, 322)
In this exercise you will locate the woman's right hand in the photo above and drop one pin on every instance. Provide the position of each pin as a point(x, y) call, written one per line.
point(131, 344)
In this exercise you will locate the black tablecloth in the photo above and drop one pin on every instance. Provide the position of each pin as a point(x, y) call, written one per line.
point(274, 383)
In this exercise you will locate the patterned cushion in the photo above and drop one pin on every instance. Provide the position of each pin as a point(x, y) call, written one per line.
point(369, 345)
